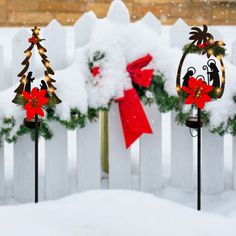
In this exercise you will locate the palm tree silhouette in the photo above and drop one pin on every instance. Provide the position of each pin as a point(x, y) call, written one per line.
point(200, 36)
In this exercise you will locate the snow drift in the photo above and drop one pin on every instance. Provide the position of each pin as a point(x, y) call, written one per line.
point(106, 213)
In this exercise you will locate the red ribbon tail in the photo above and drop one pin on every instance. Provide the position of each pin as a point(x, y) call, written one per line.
point(131, 137)
point(133, 118)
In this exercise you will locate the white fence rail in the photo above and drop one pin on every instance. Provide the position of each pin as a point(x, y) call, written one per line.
point(62, 174)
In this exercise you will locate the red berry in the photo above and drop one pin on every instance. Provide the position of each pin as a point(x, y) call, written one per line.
point(95, 70)
point(33, 40)
point(206, 44)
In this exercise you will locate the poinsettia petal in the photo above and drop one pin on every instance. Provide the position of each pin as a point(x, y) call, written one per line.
point(187, 90)
point(200, 103)
point(199, 83)
point(26, 95)
point(30, 113)
point(34, 92)
point(40, 111)
point(206, 97)
point(192, 83)
point(207, 88)
point(42, 93)
point(28, 106)
point(190, 99)
point(42, 101)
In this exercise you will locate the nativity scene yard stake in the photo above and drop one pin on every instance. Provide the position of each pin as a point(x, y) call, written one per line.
point(34, 100)
point(196, 89)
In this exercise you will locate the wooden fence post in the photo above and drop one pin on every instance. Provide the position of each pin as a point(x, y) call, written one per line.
point(104, 140)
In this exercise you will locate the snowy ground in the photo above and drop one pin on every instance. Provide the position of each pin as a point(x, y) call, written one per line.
point(106, 213)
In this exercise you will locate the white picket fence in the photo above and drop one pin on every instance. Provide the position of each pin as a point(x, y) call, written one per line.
point(70, 162)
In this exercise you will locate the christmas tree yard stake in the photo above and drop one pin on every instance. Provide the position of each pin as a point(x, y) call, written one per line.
point(197, 90)
point(33, 100)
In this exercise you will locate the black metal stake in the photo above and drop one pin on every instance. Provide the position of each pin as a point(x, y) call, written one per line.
point(199, 160)
point(36, 157)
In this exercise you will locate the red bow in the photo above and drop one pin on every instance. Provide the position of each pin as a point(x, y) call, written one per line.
point(133, 118)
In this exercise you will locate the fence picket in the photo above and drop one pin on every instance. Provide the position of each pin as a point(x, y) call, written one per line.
point(153, 22)
point(2, 80)
point(119, 157)
point(88, 157)
point(234, 162)
point(56, 159)
point(24, 169)
point(212, 162)
point(56, 44)
point(19, 45)
point(233, 53)
point(181, 156)
point(151, 153)
point(2, 173)
point(83, 28)
point(216, 33)
point(179, 34)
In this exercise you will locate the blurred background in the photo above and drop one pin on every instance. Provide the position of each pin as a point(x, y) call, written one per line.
point(41, 12)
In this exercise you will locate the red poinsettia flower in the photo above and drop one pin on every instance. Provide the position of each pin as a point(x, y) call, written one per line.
point(35, 100)
point(95, 70)
point(33, 40)
point(197, 91)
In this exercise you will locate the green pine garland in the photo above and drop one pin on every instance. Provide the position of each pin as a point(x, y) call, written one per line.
point(156, 93)
point(216, 50)
point(77, 119)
